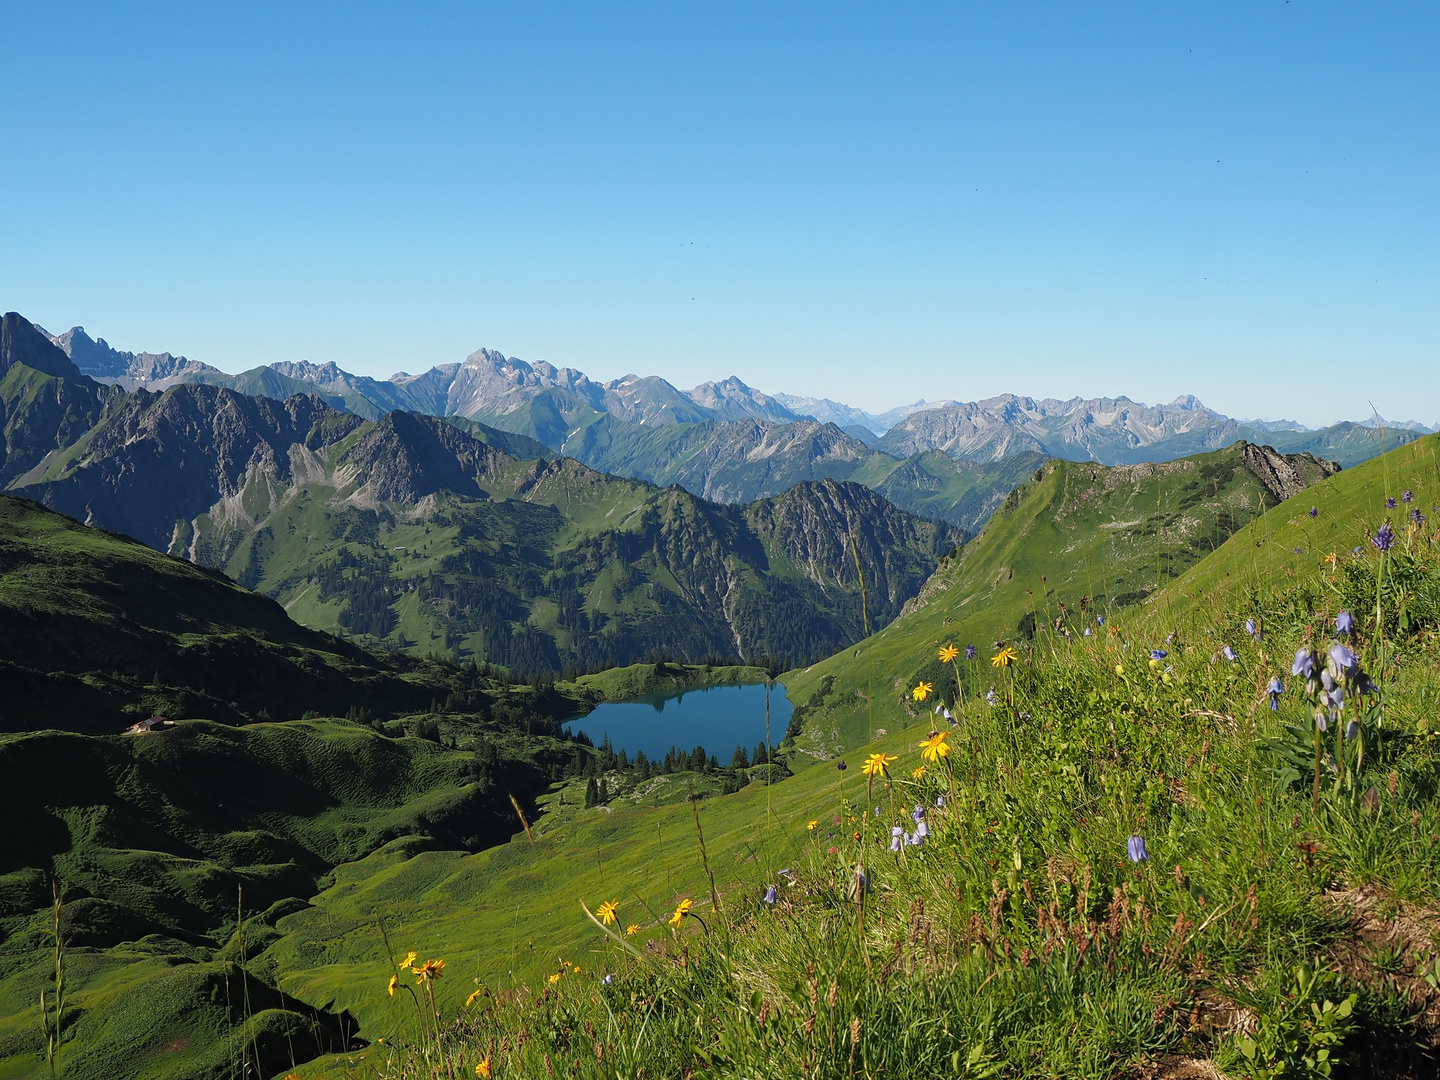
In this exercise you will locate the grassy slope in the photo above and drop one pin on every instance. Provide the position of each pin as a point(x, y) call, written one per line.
point(1351, 507)
point(152, 835)
point(509, 915)
point(1112, 539)
point(97, 627)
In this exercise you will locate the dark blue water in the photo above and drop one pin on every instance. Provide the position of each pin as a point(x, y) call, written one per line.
point(719, 718)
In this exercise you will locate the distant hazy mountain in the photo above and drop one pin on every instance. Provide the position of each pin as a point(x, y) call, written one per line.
point(846, 416)
point(739, 461)
point(154, 371)
point(1113, 431)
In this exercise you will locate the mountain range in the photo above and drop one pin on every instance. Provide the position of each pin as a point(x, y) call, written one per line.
point(410, 532)
point(555, 405)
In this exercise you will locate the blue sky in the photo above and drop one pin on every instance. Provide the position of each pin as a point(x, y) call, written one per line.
point(874, 204)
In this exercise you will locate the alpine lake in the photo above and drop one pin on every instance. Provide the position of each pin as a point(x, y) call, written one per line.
point(719, 718)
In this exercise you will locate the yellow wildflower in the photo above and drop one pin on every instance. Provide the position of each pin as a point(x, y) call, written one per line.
point(935, 747)
point(917, 772)
point(471, 999)
point(1004, 657)
point(394, 982)
point(681, 910)
point(948, 653)
point(812, 824)
point(607, 912)
point(429, 970)
point(555, 978)
point(878, 764)
point(632, 929)
point(410, 958)
point(921, 692)
point(483, 1069)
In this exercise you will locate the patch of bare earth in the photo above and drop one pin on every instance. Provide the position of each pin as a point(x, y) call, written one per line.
point(1398, 933)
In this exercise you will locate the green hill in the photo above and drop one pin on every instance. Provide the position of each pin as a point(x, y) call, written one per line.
point(1078, 540)
point(98, 631)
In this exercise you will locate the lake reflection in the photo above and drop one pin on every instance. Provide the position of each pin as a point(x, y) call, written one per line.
point(719, 718)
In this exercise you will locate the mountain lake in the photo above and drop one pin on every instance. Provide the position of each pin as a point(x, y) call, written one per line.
point(719, 718)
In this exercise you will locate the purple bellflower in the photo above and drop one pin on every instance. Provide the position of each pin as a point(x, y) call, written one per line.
point(1135, 848)
point(1275, 689)
point(1344, 623)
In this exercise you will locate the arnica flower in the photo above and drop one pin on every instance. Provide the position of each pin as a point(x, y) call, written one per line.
point(1228, 653)
point(682, 909)
point(1407, 496)
point(935, 747)
point(555, 978)
point(1158, 654)
point(409, 960)
point(917, 772)
point(772, 895)
point(607, 911)
point(948, 653)
point(1005, 657)
point(1275, 689)
point(812, 824)
point(1304, 664)
point(897, 835)
point(1314, 511)
point(482, 1070)
point(921, 692)
point(473, 995)
point(429, 971)
point(1135, 847)
point(878, 764)
point(1390, 503)
point(1344, 623)
point(1384, 537)
point(632, 929)
point(969, 652)
point(394, 982)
